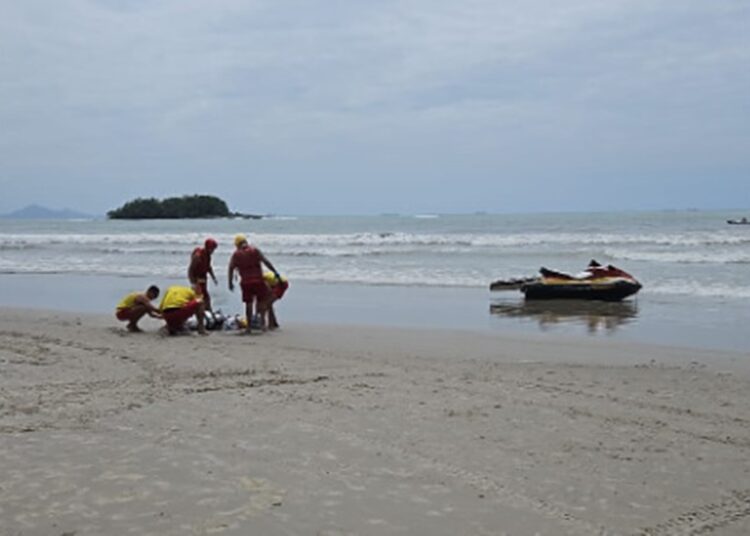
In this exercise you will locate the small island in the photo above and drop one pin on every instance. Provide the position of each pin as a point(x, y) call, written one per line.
point(187, 206)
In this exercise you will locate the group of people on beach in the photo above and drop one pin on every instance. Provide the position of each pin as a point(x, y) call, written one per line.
point(259, 291)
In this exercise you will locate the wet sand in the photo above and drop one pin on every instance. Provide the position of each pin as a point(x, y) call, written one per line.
point(683, 321)
point(329, 430)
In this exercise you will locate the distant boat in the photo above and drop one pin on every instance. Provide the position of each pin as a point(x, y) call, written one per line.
point(597, 282)
point(742, 221)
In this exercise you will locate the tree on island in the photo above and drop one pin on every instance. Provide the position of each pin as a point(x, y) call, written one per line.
point(188, 206)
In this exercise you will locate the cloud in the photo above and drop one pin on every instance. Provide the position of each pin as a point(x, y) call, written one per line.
point(150, 91)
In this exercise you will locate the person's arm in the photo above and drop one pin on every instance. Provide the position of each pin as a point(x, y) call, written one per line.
point(150, 309)
point(268, 264)
point(230, 274)
point(211, 273)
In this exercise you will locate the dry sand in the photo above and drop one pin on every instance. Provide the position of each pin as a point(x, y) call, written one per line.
point(368, 431)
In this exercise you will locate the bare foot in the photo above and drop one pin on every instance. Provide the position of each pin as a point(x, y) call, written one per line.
point(132, 328)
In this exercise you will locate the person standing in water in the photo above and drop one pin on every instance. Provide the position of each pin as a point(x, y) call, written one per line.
point(256, 295)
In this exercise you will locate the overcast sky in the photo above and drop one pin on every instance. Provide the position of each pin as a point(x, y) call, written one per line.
point(332, 106)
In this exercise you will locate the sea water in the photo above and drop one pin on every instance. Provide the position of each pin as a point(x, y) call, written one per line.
point(419, 270)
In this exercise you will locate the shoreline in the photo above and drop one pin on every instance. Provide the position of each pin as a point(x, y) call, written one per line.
point(363, 431)
point(516, 347)
point(648, 319)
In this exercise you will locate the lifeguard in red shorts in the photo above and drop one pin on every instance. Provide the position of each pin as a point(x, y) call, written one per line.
point(278, 287)
point(255, 293)
point(136, 304)
point(179, 304)
point(200, 268)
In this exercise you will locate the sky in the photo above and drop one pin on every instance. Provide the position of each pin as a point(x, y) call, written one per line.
point(367, 107)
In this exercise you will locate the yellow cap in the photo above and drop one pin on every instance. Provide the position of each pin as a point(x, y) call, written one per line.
point(239, 239)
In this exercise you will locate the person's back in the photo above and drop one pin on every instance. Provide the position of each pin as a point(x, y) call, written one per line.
point(177, 296)
point(179, 304)
point(247, 261)
point(129, 300)
point(278, 286)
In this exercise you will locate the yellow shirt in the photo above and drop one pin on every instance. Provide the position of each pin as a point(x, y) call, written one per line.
point(128, 301)
point(271, 280)
point(176, 297)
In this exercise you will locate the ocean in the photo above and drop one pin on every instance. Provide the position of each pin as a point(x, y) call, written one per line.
point(423, 270)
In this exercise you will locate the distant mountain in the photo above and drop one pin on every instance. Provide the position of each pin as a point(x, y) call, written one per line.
point(36, 212)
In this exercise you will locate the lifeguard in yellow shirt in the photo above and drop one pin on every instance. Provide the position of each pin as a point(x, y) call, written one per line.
point(179, 304)
point(136, 304)
point(278, 286)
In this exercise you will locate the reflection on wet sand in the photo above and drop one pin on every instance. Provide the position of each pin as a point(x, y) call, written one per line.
point(594, 315)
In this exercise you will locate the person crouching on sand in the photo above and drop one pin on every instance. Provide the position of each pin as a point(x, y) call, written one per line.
point(136, 304)
point(179, 304)
point(278, 287)
point(200, 268)
point(247, 261)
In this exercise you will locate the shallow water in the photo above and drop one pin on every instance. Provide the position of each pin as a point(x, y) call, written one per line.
point(717, 325)
point(426, 271)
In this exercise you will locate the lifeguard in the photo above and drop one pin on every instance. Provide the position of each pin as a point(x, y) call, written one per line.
point(200, 268)
point(179, 304)
point(278, 286)
point(136, 304)
point(255, 292)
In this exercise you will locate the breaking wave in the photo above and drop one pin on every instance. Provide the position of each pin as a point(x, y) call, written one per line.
point(183, 241)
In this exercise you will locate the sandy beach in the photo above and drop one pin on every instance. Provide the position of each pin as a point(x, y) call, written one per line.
point(364, 431)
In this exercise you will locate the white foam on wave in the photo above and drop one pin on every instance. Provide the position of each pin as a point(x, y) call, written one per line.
point(416, 277)
point(104, 239)
point(364, 274)
point(503, 240)
point(567, 239)
point(682, 257)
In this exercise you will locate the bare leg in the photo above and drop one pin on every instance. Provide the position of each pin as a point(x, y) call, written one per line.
point(200, 316)
point(203, 284)
point(272, 323)
point(249, 316)
point(262, 310)
point(137, 313)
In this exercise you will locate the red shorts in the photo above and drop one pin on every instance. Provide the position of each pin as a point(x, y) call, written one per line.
point(175, 318)
point(124, 314)
point(279, 289)
point(255, 288)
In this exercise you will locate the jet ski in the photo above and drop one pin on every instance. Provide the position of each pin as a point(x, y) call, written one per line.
point(742, 221)
point(596, 282)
